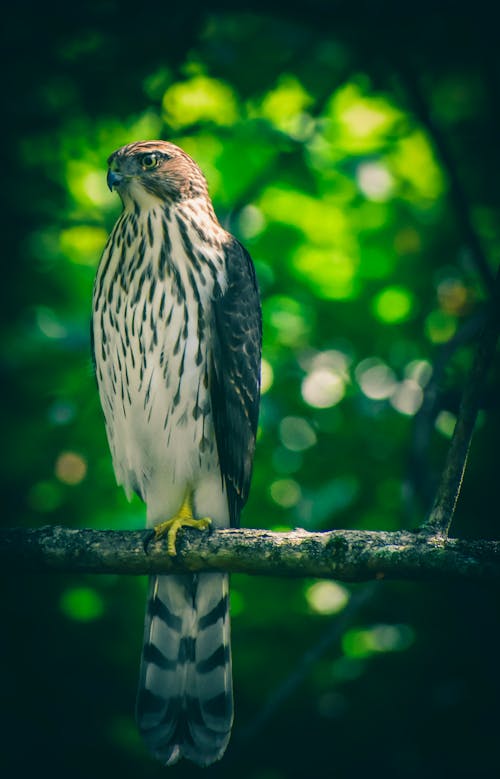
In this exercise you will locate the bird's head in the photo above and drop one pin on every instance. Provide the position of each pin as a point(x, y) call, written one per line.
point(145, 171)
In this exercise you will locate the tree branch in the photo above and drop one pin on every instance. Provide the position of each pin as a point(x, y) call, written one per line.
point(443, 509)
point(348, 555)
point(422, 484)
point(442, 512)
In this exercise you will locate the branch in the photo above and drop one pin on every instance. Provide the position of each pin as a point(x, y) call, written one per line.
point(420, 482)
point(442, 512)
point(348, 555)
point(443, 509)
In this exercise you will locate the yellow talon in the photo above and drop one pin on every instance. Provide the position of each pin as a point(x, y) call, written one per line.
point(183, 518)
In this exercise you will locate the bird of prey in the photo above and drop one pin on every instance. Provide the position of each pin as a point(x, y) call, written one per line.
point(176, 333)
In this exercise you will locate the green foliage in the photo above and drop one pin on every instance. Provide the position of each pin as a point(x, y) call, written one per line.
point(318, 162)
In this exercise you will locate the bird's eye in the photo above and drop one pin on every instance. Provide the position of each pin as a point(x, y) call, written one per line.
point(149, 161)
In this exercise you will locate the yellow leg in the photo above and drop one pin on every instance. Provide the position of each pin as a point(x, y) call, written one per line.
point(183, 518)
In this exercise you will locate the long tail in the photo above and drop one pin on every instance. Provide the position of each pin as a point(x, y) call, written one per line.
point(185, 698)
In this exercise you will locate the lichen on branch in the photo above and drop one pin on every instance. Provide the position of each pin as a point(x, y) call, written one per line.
point(346, 555)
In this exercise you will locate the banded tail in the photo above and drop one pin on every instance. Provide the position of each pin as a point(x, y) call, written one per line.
point(185, 698)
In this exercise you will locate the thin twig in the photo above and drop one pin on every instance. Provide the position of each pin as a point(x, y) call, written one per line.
point(421, 483)
point(442, 512)
point(443, 509)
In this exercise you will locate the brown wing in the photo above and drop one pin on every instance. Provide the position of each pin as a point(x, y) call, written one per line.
point(235, 375)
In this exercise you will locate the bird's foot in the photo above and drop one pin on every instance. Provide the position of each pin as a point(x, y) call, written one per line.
point(170, 528)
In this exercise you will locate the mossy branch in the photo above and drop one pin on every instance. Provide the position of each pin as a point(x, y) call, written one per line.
point(347, 555)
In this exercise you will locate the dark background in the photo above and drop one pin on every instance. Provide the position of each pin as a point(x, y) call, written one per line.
point(354, 149)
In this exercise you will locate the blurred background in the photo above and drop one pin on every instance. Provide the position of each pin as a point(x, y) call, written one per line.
point(354, 149)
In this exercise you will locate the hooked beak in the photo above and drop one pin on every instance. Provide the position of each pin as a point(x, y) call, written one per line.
point(114, 179)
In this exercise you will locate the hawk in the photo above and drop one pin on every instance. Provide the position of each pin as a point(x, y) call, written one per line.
point(176, 333)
